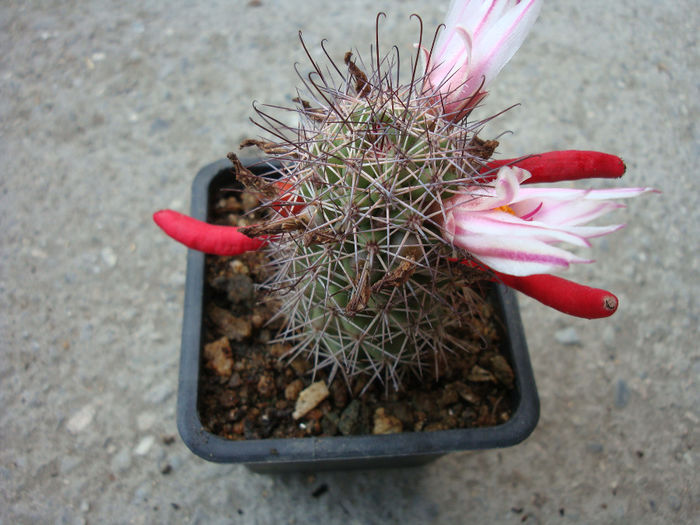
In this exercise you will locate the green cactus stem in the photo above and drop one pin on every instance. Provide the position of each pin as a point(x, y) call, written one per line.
point(360, 262)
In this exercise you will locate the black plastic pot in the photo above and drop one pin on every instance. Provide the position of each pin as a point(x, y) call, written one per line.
point(330, 453)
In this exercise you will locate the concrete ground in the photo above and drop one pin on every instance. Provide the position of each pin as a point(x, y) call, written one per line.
point(107, 110)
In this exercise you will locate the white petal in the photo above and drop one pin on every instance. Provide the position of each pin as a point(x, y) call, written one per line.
point(573, 213)
point(618, 193)
point(499, 43)
point(467, 42)
point(553, 194)
point(589, 232)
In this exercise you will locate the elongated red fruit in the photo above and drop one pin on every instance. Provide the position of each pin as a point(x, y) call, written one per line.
point(566, 296)
point(205, 237)
point(557, 166)
point(286, 206)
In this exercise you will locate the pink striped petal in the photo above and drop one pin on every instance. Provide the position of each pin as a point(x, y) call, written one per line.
point(504, 224)
point(513, 229)
point(483, 198)
point(494, 49)
point(480, 37)
point(516, 256)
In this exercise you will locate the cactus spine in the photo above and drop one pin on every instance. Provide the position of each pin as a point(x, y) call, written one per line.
point(365, 276)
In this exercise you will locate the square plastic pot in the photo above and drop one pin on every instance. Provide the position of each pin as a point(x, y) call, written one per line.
point(346, 452)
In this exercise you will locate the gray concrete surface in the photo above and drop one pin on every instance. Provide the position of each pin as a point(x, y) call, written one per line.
point(107, 109)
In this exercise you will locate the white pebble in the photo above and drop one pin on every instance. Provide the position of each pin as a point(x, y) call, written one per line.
point(309, 398)
point(109, 257)
point(144, 446)
point(81, 419)
point(567, 336)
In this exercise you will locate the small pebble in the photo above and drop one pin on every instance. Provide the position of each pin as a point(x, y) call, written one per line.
point(595, 448)
point(81, 419)
point(264, 336)
point(349, 418)
point(467, 393)
point(38, 253)
point(144, 445)
point(300, 366)
point(266, 386)
point(235, 380)
point(674, 502)
point(257, 320)
point(142, 493)
point(234, 328)
point(238, 266)
point(278, 350)
point(109, 257)
point(340, 394)
point(385, 423)
point(218, 357)
point(449, 397)
point(502, 370)
point(568, 336)
point(309, 398)
point(329, 424)
point(291, 392)
point(240, 288)
point(480, 375)
point(158, 125)
point(68, 464)
point(622, 394)
point(608, 336)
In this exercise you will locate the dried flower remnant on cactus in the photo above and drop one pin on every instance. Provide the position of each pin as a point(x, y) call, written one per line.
point(389, 206)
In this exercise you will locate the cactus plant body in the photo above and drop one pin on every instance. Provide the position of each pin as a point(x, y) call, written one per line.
point(363, 269)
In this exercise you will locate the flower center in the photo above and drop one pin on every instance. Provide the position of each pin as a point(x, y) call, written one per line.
point(506, 209)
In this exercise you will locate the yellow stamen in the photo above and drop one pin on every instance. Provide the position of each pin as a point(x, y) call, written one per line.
point(506, 209)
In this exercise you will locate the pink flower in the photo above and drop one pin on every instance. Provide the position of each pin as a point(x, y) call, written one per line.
point(512, 229)
point(480, 37)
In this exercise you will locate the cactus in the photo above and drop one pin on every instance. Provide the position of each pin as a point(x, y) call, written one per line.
point(385, 185)
point(365, 275)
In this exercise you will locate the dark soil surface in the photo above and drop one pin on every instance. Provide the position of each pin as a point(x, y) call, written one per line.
point(248, 390)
